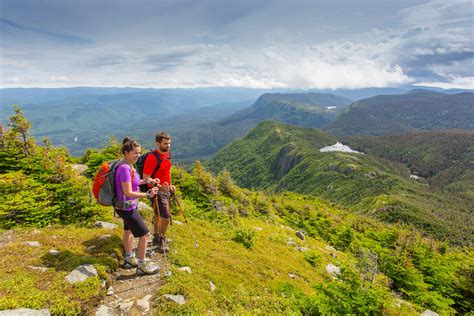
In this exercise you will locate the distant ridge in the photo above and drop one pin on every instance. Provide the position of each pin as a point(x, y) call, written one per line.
point(417, 109)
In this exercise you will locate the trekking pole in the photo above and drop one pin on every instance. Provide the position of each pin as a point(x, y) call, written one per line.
point(175, 197)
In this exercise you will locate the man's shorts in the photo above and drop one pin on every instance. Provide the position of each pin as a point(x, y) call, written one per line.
point(132, 220)
point(162, 199)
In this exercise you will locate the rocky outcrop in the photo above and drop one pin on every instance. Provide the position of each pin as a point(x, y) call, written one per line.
point(288, 158)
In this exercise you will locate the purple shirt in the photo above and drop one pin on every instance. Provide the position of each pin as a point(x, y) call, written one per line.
point(123, 173)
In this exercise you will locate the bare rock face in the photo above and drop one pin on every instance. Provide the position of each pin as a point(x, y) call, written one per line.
point(288, 158)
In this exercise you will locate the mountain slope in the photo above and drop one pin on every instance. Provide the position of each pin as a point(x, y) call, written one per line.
point(279, 157)
point(415, 110)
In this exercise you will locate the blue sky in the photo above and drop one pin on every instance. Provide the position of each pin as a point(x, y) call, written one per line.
point(255, 44)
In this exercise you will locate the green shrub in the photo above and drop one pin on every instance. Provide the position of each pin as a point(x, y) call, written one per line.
point(245, 236)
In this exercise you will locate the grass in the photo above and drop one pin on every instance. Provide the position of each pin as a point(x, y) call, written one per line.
point(22, 286)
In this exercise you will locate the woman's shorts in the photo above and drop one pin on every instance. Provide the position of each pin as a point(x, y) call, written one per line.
point(132, 220)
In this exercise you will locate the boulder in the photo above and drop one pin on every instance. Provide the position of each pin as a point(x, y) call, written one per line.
point(104, 310)
point(213, 287)
point(178, 299)
point(125, 306)
point(144, 304)
point(303, 249)
point(429, 313)
point(81, 273)
point(105, 225)
point(333, 270)
point(186, 269)
point(54, 252)
point(32, 243)
point(300, 235)
point(142, 206)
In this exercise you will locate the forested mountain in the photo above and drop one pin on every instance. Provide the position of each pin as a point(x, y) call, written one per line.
point(245, 251)
point(84, 117)
point(279, 157)
point(444, 158)
point(415, 110)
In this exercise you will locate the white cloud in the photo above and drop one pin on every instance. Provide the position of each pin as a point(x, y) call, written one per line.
point(455, 83)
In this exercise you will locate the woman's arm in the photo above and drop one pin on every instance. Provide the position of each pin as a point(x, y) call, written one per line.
point(127, 190)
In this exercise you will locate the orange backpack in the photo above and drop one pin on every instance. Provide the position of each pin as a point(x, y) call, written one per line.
point(104, 183)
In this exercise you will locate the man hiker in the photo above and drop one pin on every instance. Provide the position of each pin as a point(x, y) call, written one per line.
point(158, 166)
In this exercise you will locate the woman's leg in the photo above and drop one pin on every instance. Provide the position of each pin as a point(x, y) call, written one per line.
point(127, 241)
point(142, 245)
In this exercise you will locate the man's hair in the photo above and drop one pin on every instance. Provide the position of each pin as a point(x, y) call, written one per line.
point(162, 135)
point(129, 144)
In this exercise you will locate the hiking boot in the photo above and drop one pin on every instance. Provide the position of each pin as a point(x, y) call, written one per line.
point(147, 267)
point(156, 240)
point(163, 245)
point(130, 262)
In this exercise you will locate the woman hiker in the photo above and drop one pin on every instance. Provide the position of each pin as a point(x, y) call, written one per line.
point(127, 182)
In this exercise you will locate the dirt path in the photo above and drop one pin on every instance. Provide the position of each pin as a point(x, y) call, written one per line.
point(129, 292)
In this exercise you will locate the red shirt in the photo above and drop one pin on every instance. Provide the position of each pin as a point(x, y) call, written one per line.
point(163, 173)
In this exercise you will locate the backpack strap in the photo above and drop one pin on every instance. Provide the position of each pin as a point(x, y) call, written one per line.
point(158, 163)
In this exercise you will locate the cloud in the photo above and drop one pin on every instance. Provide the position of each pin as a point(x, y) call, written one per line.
point(7, 25)
point(454, 83)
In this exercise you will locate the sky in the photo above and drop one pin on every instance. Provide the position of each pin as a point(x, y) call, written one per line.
point(251, 44)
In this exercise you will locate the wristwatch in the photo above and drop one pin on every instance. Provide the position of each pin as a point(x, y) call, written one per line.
point(148, 193)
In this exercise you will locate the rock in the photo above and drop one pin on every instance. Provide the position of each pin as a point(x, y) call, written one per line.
point(168, 273)
point(333, 270)
point(303, 249)
point(81, 273)
point(112, 254)
point(258, 229)
point(36, 232)
point(429, 313)
point(39, 269)
point(104, 237)
point(186, 269)
point(329, 248)
point(32, 243)
point(110, 291)
point(144, 304)
point(179, 299)
point(291, 275)
point(213, 287)
point(91, 247)
point(142, 206)
point(300, 235)
point(177, 222)
point(105, 225)
point(104, 310)
point(54, 252)
point(125, 306)
point(292, 243)
point(333, 255)
point(80, 168)
point(25, 312)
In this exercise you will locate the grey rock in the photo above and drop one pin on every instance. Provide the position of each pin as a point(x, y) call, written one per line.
point(54, 252)
point(81, 273)
point(300, 235)
point(291, 275)
point(177, 222)
point(91, 247)
point(104, 310)
point(39, 269)
point(333, 270)
point(329, 248)
point(179, 299)
point(144, 304)
point(142, 206)
point(104, 237)
point(32, 243)
point(186, 269)
point(292, 243)
point(303, 249)
point(105, 225)
point(125, 306)
point(258, 229)
point(213, 287)
point(110, 291)
point(36, 232)
point(25, 312)
point(429, 313)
